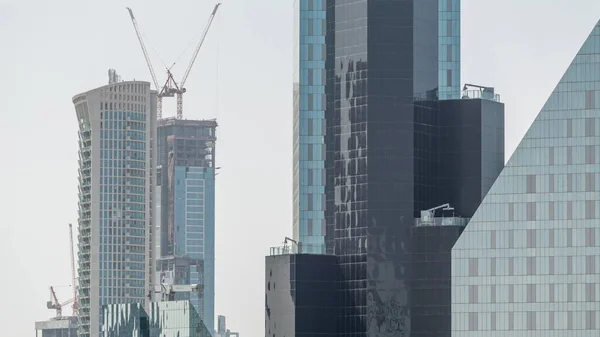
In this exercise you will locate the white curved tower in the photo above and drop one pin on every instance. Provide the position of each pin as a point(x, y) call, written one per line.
point(117, 172)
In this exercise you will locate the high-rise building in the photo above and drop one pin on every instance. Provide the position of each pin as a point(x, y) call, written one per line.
point(528, 262)
point(117, 174)
point(186, 209)
point(309, 123)
point(449, 49)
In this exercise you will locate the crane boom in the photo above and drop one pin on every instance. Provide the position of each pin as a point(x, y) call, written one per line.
point(73, 277)
point(139, 36)
point(189, 68)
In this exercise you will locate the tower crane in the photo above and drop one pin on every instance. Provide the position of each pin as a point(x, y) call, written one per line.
point(171, 87)
point(55, 304)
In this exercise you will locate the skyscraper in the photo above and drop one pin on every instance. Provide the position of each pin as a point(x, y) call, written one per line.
point(527, 264)
point(449, 49)
point(309, 124)
point(186, 216)
point(117, 173)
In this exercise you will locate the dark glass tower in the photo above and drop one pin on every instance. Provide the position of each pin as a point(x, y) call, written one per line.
point(382, 57)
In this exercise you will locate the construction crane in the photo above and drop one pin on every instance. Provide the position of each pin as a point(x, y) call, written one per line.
point(171, 87)
point(73, 277)
point(55, 304)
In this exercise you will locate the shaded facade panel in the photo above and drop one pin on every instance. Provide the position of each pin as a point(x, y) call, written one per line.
point(470, 151)
point(301, 295)
point(537, 229)
point(431, 283)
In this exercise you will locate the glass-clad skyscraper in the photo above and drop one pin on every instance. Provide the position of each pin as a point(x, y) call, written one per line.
point(117, 172)
point(449, 49)
point(186, 211)
point(309, 123)
point(528, 263)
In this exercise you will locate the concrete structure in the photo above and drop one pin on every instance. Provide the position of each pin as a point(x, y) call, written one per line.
point(161, 319)
point(186, 209)
point(528, 262)
point(57, 327)
point(117, 144)
point(309, 123)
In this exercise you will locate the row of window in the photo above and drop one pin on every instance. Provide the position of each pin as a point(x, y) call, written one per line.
point(526, 293)
point(511, 321)
point(529, 265)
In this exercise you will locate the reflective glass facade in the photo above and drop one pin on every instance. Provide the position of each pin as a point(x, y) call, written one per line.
point(163, 319)
point(117, 126)
point(300, 295)
point(186, 152)
point(309, 122)
point(449, 49)
point(528, 262)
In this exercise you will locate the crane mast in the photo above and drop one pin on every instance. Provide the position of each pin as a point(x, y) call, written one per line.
point(139, 36)
point(73, 277)
point(171, 88)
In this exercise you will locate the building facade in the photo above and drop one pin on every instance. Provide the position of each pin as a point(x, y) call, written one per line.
point(300, 294)
point(527, 263)
point(161, 319)
point(449, 49)
point(57, 327)
point(309, 123)
point(117, 124)
point(186, 226)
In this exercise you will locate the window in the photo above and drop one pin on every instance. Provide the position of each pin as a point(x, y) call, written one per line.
point(449, 53)
point(551, 183)
point(590, 209)
point(590, 237)
point(531, 298)
point(449, 77)
point(310, 76)
point(310, 27)
point(531, 233)
point(590, 182)
point(531, 269)
point(569, 128)
point(531, 210)
point(590, 99)
point(590, 264)
point(570, 182)
point(449, 27)
point(531, 183)
point(569, 155)
point(511, 211)
point(473, 294)
point(473, 267)
point(309, 51)
point(590, 127)
point(590, 154)
point(551, 156)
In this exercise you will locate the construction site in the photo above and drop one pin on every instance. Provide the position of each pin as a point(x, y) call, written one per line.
point(199, 155)
point(59, 325)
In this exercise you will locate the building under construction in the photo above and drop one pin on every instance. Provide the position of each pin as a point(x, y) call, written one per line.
point(186, 209)
point(57, 327)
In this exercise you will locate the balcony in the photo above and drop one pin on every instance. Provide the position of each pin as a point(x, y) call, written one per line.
point(441, 221)
point(299, 248)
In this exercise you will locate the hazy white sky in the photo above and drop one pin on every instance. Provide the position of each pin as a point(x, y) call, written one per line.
point(52, 50)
